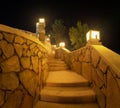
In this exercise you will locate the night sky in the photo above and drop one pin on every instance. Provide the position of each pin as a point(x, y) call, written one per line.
point(99, 15)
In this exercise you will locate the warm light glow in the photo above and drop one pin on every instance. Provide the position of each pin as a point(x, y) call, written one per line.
point(88, 36)
point(42, 20)
point(49, 35)
point(95, 35)
point(92, 34)
point(48, 39)
point(54, 46)
point(62, 44)
point(37, 26)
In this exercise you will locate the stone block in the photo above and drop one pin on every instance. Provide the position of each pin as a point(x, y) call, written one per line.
point(10, 65)
point(9, 81)
point(25, 62)
point(20, 40)
point(8, 37)
point(101, 98)
point(18, 49)
point(86, 70)
point(35, 63)
point(8, 49)
point(87, 57)
point(2, 97)
point(29, 80)
point(77, 67)
point(33, 45)
point(100, 74)
point(14, 100)
point(96, 79)
point(95, 58)
point(1, 36)
point(113, 91)
point(103, 66)
point(27, 102)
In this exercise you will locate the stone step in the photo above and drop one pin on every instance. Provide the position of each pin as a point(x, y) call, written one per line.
point(65, 78)
point(58, 68)
point(57, 64)
point(67, 84)
point(77, 88)
point(42, 104)
point(68, 95)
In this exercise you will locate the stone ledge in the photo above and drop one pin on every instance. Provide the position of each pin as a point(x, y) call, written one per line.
point(21, 33)
point(111, 58)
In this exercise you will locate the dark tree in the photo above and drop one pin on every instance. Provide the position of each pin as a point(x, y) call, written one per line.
point(78, 35)
point(58, 31)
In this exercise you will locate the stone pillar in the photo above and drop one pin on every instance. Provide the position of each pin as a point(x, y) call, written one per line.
point(40, 29)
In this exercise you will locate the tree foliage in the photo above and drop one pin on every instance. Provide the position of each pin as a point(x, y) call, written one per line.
point(78, 35)
point(58, 31)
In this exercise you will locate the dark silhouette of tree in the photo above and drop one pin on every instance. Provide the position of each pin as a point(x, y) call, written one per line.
point(78, 35)
point(58, 31)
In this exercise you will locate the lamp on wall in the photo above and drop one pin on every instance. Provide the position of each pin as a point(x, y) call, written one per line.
point(93, 37)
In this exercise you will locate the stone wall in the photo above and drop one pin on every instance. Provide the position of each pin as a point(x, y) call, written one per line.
point(23, 68)
point(102, 73)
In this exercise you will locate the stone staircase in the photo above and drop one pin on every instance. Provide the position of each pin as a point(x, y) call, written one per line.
point(65, 88)
point(57, 64)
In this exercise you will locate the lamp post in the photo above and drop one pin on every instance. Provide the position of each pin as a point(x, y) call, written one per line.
point(40, 29)
point(37, 29)
point(93, 37)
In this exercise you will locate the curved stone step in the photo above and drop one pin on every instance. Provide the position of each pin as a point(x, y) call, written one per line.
point(42, 104)
point(68, 95)
point(65, 78)
point(50, 84)
point(58, 68)
point(56, 61)
point(57, 65)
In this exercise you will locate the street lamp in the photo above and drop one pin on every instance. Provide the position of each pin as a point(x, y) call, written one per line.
point(62, 44)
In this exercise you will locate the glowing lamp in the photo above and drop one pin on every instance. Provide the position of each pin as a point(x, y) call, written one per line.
point(42, 20)
point(37, 27)
point(93, 35)
point(62, 44)
point(47, 39)
point(37, 24)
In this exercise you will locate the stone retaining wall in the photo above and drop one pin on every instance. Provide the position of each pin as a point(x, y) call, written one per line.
point(88, 62)
point(23, 69)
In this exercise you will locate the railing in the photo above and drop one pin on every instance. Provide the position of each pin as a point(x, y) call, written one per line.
point(23, 67)
point(101, 66)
